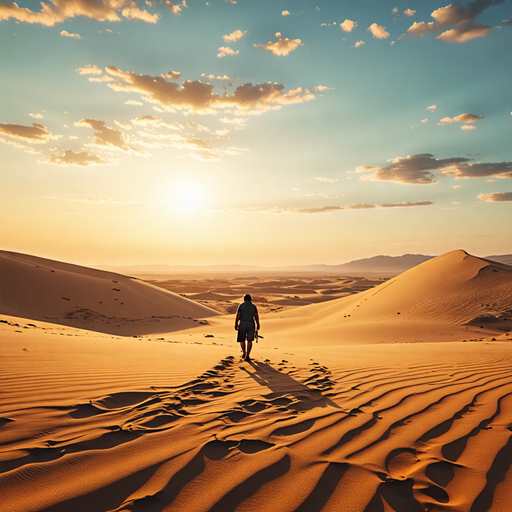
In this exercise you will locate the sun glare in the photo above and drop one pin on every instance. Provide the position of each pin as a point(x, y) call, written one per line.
point(188, 198)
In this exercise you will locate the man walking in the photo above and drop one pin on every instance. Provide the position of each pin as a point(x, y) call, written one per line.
point(246, 314)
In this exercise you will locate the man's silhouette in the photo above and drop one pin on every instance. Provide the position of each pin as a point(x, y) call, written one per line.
point(246, 314)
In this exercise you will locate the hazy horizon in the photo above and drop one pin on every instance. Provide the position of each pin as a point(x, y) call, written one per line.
point(256, 133)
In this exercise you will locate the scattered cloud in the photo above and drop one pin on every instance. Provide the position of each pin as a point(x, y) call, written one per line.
point(57, 11)
point(468, 127)
point(394, 11)
point(424, 120)
point(65, 33)
point(198, 127)
point(90, 70)
point(456, 186)
point(479, 170)
point(213, 77)
point(233, 120)
point(461, 17)
point(36, 116)
point(35, 134)
point(409, 13)
point(70, 158)
point(121, 124)
point(226, 50)
point(378, 31)
point(282, 47)
point(327, 180)
point(196, 96)
point(321, 88)
point(359, 43)
point(104, 136)
point(348, 25)
point(234, 36)
point(155, 122)
point(175, 8)
point(496, 197)
point(431, 108)
point(114, 201)
point(222, 133)
point(323, 209)
point(285, 13)
point(172, 75)
point(463, 118)
point(133, 102)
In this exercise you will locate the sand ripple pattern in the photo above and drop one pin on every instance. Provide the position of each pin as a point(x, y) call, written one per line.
point(429, 435)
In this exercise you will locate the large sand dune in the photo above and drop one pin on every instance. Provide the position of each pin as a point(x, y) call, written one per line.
point(91, 422)
point(66, 294)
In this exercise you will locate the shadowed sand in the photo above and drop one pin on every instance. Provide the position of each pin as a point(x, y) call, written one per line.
point(176, 422)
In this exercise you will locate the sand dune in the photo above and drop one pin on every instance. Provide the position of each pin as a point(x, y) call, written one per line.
point(400, 428)
point(325, 417)
point(53, 291)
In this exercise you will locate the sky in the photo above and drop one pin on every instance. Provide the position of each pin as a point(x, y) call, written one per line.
point(256, 132)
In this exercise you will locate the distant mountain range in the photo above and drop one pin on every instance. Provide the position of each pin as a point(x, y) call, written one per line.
point(376, 264)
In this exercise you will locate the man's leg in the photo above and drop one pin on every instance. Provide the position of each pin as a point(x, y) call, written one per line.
point(249, 347)
point(242, 346)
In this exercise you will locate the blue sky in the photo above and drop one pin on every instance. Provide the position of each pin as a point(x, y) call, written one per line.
point(365, 130)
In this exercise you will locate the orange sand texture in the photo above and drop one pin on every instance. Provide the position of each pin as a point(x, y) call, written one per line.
point(119, 395)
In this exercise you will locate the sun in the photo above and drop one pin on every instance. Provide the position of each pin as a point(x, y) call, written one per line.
point(188, 198)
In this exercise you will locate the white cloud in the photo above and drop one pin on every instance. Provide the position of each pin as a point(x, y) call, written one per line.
point(285, 13)
point(359, 43)
point(348, 25)
point(468, 127)
point(282, 47)
point(234, 36)
point(424, 120)
point(409, 13)
point(133, 102)
point(431, 108)
point(90, 70)
point(70, 158)
point(394, 11)
point(463, 118)
point(226, 50)
point(36, 116)
point(378, 31)
point(35, 134)
point(326, 180)
point(172, 75)
point(65, 33)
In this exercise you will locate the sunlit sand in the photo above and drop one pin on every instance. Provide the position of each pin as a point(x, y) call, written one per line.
point(382, 394)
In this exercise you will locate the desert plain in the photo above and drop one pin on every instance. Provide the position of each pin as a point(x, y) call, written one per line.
point(371, 393)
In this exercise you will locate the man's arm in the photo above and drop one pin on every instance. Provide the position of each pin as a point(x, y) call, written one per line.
point(237, 319)
point(257, 318)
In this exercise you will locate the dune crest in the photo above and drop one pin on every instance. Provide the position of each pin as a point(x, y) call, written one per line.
point(52, 291)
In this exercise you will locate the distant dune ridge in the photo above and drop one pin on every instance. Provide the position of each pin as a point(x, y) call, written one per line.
point(326, 418)
point(66, 294)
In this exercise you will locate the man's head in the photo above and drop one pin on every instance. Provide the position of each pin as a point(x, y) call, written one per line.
point(247, 297)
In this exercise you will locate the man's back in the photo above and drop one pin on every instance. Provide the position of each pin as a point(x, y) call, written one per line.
point(247, 310)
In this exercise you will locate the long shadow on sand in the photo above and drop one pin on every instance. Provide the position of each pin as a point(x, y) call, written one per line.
point(285, 390)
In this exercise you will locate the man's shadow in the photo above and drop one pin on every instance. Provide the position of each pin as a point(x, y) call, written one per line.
point(283, 386)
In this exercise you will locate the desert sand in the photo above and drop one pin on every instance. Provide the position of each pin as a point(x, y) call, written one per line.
point(394, 396)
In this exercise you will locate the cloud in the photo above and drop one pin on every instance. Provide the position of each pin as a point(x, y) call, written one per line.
point(114, 201)
point(197, 126)
point(412, 169)
point(104, 136)
point(424, 120)
point(285, 13)
point(496, 197)
point(378, 31)
point(233, 120)
point(463, 118)
point(234, 36)
point(327, 180)
point(348, 25)
point(431, 108)
point(283, 47)
point(173, 75)
point(221, 133)
point(321, 88)
point(323, 209)
point(213, 77)
point(409, 13)
point(70, 158)
point(497, 170)
point(359, 43)
point(155, 122)
point(133, 102)
point(394, 11)
point(36, 116)
point(35, 134)
point(121, 124)
point(196, 96)
point(461, 17)
point(468, 127)
point(175, 8)
point(57, 11)
point(65, 33)
point(90, 70)
point(226, 50)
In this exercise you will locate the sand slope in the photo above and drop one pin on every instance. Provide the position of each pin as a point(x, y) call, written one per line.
point(438, 300)
point(399, 428)
point(66, 294)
